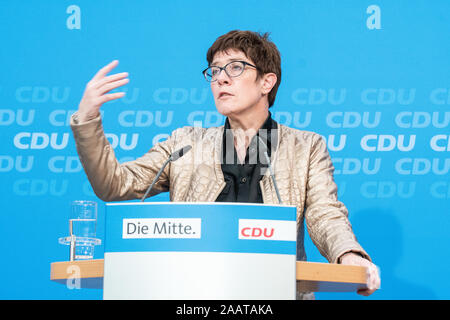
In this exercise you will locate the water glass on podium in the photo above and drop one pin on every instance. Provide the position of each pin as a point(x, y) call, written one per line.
point(82, 230)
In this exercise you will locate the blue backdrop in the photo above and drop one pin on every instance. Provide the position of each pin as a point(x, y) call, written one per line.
point(372, 77)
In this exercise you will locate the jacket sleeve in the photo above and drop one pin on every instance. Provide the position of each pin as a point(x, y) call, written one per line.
point(110, 180)
point(326, 217)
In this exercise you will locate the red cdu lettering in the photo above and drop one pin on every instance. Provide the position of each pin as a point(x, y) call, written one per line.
point(256, 232)
point(243, 232)
point(266, 233)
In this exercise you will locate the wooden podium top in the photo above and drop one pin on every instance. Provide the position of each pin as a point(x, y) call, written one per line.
point(311, 276)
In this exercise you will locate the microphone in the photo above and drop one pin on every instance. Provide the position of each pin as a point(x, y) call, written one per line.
point(179, 153)
point(272, 175)
point(173, 157)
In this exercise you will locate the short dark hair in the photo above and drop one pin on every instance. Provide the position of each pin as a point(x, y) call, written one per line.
point(257, 47)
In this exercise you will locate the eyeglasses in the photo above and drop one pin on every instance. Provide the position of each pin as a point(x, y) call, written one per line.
point(232, 69)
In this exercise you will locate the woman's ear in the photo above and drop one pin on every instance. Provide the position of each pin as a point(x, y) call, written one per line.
point(268, 82)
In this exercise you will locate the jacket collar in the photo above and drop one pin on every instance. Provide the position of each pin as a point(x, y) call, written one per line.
point(266, 133)
point(266, 183)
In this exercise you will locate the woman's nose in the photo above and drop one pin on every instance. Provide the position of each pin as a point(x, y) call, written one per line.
point(223, 78)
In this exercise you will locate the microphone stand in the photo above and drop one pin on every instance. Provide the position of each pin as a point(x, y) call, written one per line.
point(272, 175)
point(156, 178)
point(173, 157)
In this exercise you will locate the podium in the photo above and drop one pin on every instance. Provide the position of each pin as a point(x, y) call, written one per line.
point(205, 251)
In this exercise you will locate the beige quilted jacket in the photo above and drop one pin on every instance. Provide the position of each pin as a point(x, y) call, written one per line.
point(301, 163)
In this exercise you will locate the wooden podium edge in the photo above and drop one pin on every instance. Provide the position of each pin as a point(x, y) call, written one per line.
point(329, 277)
point(83, 268)
point(311, 276)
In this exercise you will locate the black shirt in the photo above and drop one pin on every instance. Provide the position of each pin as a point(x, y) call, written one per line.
point(242, 180)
